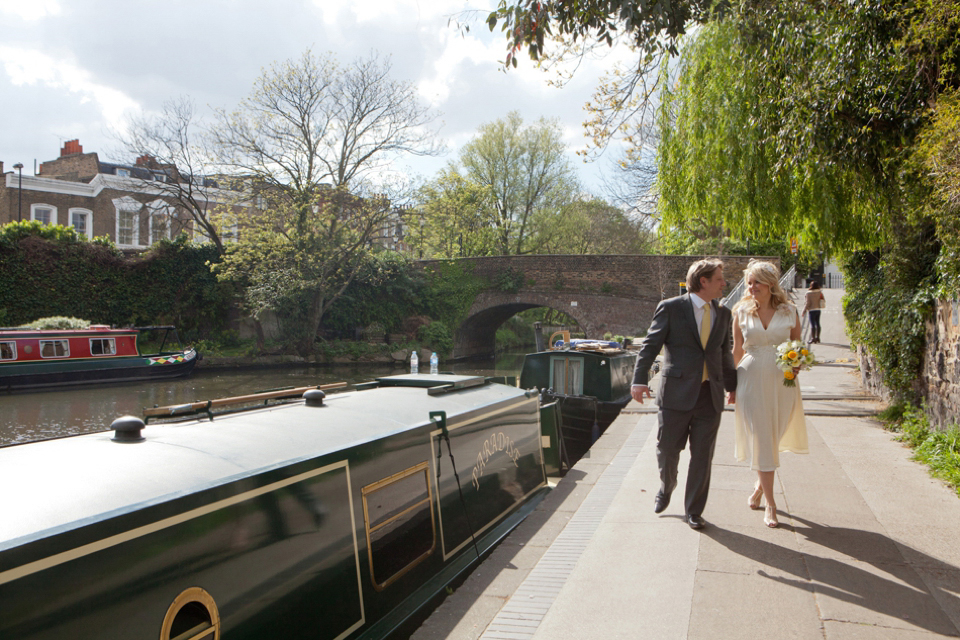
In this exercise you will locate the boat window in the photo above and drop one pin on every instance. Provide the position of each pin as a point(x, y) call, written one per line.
point(54, 349)
point(398, 513)
point(566, 376)
point(103, 346)
point(8, 350)
point(192, 616)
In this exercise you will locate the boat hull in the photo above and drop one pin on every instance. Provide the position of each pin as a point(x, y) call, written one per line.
point(589, 387)
point(328, 522)
point(16, 377)
point(583, 419)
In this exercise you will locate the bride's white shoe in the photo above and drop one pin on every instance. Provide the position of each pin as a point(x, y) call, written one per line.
point(770, 517)
point(754, 500)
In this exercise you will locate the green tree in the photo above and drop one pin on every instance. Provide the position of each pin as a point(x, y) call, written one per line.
point(593, 226)
point(526, 176)
point(751, 144)
point(305, 143)
point(297, 260)
point(454, 218)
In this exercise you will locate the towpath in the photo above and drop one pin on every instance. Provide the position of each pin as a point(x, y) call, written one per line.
point(868, 544)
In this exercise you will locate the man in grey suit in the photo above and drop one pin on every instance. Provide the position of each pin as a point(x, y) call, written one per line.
point(695, 334)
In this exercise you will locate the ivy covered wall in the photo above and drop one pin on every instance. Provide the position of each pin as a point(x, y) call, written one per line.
point(49, 271)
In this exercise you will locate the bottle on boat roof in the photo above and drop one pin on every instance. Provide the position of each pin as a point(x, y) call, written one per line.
point(434, 362)
point(414, 362)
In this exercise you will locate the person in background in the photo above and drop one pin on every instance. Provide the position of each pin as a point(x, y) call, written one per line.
point(813, 301)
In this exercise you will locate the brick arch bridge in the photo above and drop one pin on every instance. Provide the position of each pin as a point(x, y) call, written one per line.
point(616, 294)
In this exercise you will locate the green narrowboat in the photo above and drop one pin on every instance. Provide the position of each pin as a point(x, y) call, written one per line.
point(326, 516)
point(587, 383)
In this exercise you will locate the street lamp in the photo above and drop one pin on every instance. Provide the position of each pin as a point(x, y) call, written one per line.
point(19, 168)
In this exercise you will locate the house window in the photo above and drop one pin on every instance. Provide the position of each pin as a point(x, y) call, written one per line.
point(8, 350)
point(43, 213)
point(123, 173)
point(159, 227)
point(82, 222)
point(229, 233)
point(128, 228)
point(54, 349)
point(103, 346)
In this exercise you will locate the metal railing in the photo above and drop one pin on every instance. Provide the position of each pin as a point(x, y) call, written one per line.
point(786, 283)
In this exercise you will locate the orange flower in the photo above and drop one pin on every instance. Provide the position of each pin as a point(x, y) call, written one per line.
point(789, 375)
point(792, 355)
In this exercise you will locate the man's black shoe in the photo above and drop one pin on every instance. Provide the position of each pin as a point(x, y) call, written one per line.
point(663, 499)
point(695, 522)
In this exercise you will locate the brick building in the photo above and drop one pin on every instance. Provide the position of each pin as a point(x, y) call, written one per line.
point(130, 204)
point(133, 205)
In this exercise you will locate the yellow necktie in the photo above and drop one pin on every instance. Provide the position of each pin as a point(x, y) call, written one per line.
point(704, 336)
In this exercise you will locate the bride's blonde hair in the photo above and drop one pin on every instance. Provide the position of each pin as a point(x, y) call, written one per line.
point(764, 273)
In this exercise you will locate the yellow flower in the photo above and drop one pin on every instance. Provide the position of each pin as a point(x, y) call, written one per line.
point(804, 352)
point(792, 355)
point(788, 375)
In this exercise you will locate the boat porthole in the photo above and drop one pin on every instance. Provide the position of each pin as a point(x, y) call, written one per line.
point(192, 616)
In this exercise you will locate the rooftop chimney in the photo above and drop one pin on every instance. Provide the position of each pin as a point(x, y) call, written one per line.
point(71, 147)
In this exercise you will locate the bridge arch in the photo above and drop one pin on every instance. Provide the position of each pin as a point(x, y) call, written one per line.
point(603, 293)
point(596, 315)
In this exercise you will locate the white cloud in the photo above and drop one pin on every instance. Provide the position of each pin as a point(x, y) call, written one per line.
point(30, 9)
point(26, 67)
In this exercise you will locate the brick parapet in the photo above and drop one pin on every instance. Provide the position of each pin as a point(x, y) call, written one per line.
point(622, 276)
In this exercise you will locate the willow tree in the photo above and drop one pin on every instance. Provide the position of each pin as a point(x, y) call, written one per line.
point(796, 119)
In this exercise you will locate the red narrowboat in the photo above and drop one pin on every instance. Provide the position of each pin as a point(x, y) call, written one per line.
point(31, 358)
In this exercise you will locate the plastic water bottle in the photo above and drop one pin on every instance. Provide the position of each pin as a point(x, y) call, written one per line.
point(434, 361)
point(414, 362)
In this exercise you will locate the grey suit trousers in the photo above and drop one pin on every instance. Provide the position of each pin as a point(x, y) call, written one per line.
point(700, 424)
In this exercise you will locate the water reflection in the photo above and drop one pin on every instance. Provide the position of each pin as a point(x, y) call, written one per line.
point(70, 411)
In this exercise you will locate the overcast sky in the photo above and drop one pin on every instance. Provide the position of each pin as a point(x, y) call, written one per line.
point(75, 68)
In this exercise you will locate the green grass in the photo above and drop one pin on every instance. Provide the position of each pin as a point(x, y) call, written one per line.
point(938, 449)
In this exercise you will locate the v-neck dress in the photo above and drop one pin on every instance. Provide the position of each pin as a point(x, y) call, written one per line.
point(768, 415)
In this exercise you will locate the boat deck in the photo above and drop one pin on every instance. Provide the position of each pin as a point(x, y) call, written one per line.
point(61, 482)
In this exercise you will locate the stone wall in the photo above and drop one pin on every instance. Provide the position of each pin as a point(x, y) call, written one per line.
point(940, 380)
point(939, 383)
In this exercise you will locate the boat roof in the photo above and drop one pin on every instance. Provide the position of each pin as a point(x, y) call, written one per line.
point(25, 332)
point(55, 485)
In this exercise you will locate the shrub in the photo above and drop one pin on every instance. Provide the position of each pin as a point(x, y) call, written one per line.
point(437, 337)
point(59, 322)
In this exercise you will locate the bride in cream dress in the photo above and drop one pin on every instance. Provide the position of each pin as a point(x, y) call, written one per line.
point(769, 416)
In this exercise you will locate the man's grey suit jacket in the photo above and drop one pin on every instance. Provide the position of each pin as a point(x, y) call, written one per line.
point(674, 330)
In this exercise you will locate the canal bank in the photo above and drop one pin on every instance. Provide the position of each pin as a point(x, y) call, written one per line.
point(866, 546)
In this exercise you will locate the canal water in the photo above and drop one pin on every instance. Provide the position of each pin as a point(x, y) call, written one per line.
point(37, 415)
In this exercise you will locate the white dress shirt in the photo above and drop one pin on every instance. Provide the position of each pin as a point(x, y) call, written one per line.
point(698, 304)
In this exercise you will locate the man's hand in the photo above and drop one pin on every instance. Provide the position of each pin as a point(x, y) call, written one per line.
point(732, 397)
point(637, 391)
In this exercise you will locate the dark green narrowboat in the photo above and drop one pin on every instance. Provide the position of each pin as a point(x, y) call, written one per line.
point(588, 381)
point(329, 517)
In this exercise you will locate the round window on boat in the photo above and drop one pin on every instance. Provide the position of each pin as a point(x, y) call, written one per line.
point(192, 616)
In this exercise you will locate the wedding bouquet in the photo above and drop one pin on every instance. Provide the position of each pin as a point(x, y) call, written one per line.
point(793, 354)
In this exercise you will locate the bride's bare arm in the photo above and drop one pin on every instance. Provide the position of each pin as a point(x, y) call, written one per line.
point(796, 333)
point(737, 342)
